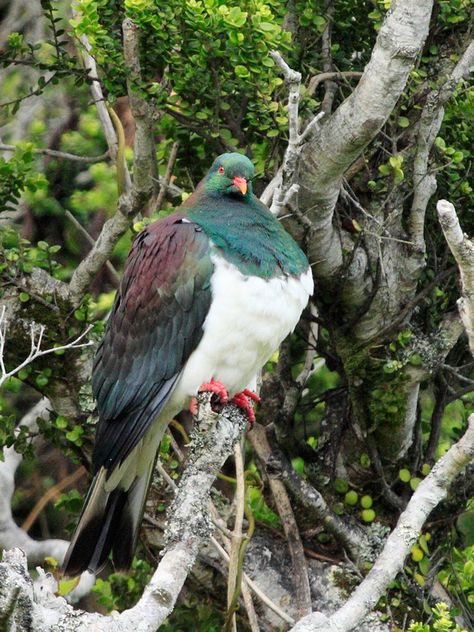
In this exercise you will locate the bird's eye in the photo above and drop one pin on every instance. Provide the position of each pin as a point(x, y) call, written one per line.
point(221, 170)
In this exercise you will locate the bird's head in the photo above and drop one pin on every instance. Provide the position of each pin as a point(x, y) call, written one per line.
point(230, 174)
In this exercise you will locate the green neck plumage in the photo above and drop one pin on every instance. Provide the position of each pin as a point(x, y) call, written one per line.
point(247, 234)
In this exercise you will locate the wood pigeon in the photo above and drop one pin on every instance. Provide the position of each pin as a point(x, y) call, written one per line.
point(208, 294)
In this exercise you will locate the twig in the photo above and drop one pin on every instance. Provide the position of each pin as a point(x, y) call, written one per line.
point(353, 539)
point(463, 251)
point(435, 421)
point(167, 177)
point(99, 100)
point(83, 231)
point(51, 494)
point(133, 198)
point(330, 85)
point(300, 579)
point(143, 145)
point(428, 128)
point(286, 177)
point(63, 155)
point(429, 493)
point(236, 539)
point(333, 76)
point(260, 594)
point(36, 338)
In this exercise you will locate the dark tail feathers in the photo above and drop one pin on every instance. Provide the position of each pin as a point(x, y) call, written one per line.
point(109, 523)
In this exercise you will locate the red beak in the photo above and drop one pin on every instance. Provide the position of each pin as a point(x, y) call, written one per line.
point(241, 184)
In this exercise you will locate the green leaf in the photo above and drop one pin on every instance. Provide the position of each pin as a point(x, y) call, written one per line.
point(403, 121)
point(298, 465)
point(414, 482)
point(67, 585)
point(61, 422)
point(266, 26)
point(404, 475)
point(465, 524)
point(241, 71)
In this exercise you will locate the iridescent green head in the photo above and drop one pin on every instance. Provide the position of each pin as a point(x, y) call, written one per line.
point(230, 174)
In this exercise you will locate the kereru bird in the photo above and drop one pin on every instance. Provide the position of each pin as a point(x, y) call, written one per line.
point(208, 294)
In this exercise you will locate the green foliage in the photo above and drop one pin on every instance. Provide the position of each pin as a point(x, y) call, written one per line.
point(17, 175)
point(121, 591)
point(194, 613)
point(458, 574)
point(442, 622)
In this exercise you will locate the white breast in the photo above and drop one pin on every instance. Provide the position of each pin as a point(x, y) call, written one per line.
point(248, 319)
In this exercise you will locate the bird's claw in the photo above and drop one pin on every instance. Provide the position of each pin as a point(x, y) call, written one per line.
point(220, 396)
point(242, 401)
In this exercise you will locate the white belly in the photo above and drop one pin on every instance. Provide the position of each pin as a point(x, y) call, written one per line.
point(248, 319)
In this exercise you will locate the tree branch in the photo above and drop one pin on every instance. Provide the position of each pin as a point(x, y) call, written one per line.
point(164, 184)
point(352, 538)
point(133, 198)
point(36, 338)
point(463, 251)
point(354, 124)
point(428, 127)
point(11, 535)
point(300, 579)
point(188, 527)
point(62, 155)
point(430, 492)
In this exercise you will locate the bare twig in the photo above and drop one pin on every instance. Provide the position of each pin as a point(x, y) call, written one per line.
point(83, 231)
point(51, 494)
point(285, 179)
point(143, 146)
point(62, 155)
point(330, 86)
point(300, 575)
point(352, 538)
point(134, 198)
point(255, 588)
point(236, 539)
point(333, 76)
point(167, 177)
point(36, 338)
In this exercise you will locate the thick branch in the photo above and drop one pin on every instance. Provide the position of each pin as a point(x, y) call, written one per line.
point(431, 491)
point(355, 123)
point(133, 198)
point(188, 527)
point(143, 146)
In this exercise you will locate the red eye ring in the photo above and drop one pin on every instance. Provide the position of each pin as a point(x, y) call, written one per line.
point(221, 170)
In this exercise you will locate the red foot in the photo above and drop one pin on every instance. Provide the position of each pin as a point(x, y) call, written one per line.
point(193, 405)
point(242, 401)
point(253, 396)
point(220, 395)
